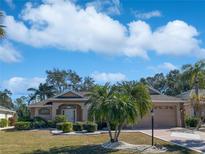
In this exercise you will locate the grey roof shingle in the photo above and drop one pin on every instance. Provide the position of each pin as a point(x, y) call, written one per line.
point(188, 94)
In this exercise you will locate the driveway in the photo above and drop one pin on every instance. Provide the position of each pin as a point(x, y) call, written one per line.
point(194, 140)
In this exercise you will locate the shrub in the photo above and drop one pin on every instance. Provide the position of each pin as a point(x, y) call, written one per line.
point(12, 121)
point(90, 126)
point(67, 127)
point(78, 126)
point(51, 124)
point(3, 122)
point(60, 118)
point(39, 122)
point(23, 125)
point(59, 126)
point(101, 125)
point(191, 121)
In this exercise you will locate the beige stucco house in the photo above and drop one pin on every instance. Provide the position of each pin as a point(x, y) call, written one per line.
point(168, 111)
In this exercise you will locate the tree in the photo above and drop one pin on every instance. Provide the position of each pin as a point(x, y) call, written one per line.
point(5, 99)
point(57, 78)
point(158, 81)
point(193, 73)
point(88, 84)
point(21, 108)
point(2, 31)
point(118, 107)
point(174, 85)
point(43, 92)
point(62, 80)
point(74, 80)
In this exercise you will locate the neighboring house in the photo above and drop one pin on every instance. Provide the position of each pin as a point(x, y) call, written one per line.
point(186, 96)
point(169, 111)
point(6, 113)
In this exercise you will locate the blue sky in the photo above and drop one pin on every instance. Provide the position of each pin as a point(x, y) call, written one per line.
point(110, 40)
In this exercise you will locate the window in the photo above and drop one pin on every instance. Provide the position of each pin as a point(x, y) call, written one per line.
point(44, 111)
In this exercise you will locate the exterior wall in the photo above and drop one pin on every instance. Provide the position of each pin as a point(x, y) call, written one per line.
point(35, 113)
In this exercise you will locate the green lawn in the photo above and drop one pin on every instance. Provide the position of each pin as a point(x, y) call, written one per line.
point(37, 142)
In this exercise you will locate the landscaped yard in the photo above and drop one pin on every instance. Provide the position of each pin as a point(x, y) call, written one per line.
point(35, 142)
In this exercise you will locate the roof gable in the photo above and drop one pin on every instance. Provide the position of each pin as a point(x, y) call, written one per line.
point(69, 94)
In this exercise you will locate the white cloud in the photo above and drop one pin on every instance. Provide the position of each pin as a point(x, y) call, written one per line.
point(103, 77)
point(166, 66)
point(110, 7)
point(65, 25)
point(147, 15)
point(8, 53)
point(19, 85)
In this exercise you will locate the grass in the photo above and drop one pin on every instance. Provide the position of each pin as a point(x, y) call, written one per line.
point(42, 142)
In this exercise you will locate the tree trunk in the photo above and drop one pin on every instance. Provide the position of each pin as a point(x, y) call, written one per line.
point(119, 130)
point(110, 133)
point(116, 131)
point(196, 80)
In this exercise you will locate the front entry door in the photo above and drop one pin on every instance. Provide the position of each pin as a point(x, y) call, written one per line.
point(70, 114)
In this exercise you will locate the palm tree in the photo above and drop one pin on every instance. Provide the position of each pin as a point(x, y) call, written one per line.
point(43, 92)
point(118, 107)
point(2, 32)
point(193, 73)
point(98, 100)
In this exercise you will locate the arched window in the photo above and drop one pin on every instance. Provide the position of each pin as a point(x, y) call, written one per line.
point(44, 111)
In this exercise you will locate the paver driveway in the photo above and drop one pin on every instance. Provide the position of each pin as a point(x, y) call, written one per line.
point(191, 139)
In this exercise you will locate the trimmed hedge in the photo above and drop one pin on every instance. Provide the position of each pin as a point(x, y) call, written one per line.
point(23, 125)
point(3, 122)
point(78, 126)
point(12, 121)
point(90, 126)
point(67, 127)
point(59, 126)
point(191, 121)
point(60, 118)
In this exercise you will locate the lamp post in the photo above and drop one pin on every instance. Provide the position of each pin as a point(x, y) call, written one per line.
point(152, 114)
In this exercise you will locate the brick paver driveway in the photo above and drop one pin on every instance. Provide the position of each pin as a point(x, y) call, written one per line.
point(191, 139)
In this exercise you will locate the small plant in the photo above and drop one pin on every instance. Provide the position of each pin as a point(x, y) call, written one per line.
point(78, 126)
point(90, 126)
point(23, 125)
point(12, 121)
point(67, 127)
point(191, 121)
point(60, 118)
point(3, 122)
point(59, 126)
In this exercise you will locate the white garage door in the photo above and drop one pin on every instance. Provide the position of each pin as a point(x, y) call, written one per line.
point(164, 117)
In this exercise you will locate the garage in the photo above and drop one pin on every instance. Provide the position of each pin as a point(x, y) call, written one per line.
point(167, 113)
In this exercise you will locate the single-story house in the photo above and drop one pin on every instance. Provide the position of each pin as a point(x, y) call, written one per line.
point(168, 111)
point(6, 113)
